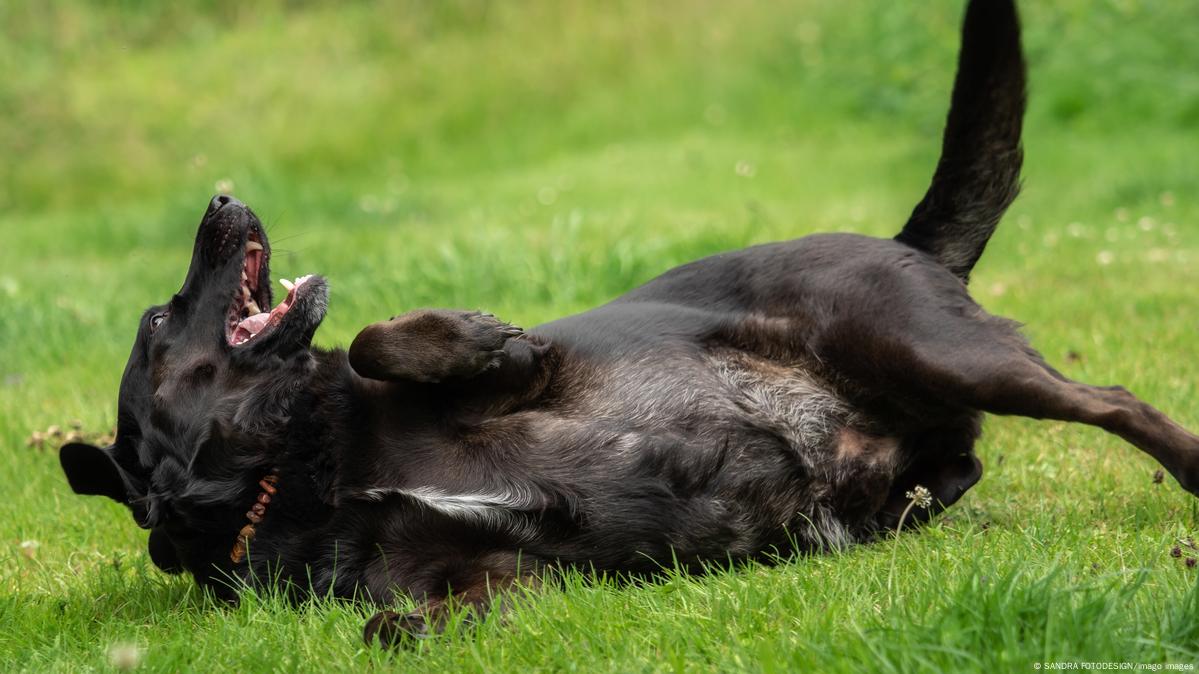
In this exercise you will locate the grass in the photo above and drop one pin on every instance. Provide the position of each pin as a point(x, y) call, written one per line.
point(537, 158)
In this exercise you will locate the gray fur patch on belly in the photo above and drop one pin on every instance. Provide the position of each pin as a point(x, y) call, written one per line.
point(844, 470)
point(786, 401)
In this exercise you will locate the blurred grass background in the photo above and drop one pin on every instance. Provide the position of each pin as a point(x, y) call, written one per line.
point(536, 158)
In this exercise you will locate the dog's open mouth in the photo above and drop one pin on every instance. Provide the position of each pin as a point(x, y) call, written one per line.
point(246, 320)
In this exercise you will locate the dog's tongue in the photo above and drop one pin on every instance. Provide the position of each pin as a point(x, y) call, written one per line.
point(250, 326)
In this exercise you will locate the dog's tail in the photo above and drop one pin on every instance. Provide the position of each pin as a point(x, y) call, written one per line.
point(978, 174)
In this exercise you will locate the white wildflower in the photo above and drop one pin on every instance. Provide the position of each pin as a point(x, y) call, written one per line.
point(920, 496)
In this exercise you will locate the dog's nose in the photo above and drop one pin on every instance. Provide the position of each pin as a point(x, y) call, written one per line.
point(222, 200)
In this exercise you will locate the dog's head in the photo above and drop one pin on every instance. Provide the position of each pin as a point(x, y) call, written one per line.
point(206, 391)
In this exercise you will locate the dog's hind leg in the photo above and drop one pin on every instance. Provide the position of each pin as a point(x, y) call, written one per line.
point(1029, 387)
point(979, 362)
point(944, 463)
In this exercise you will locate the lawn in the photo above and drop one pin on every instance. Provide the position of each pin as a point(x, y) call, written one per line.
point(536, 158)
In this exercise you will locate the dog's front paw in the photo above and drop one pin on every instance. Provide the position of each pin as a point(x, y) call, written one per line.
point(431, 346)
point(392, 630)
point(485, 336)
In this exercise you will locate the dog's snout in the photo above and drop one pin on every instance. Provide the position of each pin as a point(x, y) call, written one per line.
point(221, 230)
point(221, 201)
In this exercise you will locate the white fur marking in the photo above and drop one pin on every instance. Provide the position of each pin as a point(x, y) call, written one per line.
point(492, 509)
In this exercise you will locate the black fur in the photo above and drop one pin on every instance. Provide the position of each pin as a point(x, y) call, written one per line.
point(779, 398)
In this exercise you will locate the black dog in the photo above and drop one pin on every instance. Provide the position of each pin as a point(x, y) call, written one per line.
point(779, 398)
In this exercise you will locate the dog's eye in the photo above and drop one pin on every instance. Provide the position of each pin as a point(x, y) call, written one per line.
point(156, 320)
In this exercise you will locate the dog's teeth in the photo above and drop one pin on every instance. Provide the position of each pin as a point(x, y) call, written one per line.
point(253, 245)
point(287, 284)
point(253, 306)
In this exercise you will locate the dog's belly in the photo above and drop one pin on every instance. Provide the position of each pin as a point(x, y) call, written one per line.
point(721, 452)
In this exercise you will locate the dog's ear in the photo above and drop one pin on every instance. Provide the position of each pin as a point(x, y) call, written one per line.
point(91, 470)
point(162, 552)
